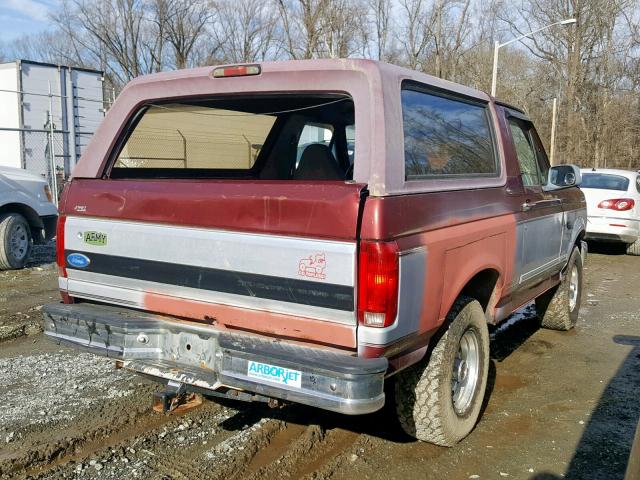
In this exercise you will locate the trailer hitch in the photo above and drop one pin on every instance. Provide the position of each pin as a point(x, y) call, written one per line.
point(175, 398)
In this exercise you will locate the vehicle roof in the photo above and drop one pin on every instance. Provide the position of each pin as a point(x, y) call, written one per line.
point(317, 67)
point(374, 87)
point(612, 171)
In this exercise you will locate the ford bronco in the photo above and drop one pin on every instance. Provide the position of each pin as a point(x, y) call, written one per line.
point(305, 230)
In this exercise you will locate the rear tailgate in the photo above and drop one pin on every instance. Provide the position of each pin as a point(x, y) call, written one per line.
point(275, 257)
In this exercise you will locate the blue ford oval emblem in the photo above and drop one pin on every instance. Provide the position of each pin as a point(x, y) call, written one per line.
point(78, 260)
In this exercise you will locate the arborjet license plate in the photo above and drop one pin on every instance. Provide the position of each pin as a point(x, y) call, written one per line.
point(273, 373)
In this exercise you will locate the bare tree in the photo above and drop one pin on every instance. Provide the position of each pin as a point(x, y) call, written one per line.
point(414, 33)
point(182, 24)
point(592, 67)
point(114, 31)
point(301, 26)
point(343, 29)
point(582, 57)
point(245, 31)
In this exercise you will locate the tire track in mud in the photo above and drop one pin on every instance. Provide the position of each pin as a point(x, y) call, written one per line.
point(301, 448)
point(210, 438)
point(69, 440)
point(236, 434)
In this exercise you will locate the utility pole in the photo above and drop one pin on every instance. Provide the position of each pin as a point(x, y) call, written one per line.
point(52, 150)
point(554, 114)
point(497, 46)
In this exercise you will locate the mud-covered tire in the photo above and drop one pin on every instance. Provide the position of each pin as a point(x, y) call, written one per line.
point(15, 241)
point(555, 308)
point(424, 393)
point(634, 248)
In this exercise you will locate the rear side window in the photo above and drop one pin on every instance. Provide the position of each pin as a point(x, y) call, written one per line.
point(605, 181)
point(446, 136)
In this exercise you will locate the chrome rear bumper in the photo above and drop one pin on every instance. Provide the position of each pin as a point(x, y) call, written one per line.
point(208, 359)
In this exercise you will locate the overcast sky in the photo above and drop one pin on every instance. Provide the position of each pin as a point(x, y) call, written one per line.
point(18, 17)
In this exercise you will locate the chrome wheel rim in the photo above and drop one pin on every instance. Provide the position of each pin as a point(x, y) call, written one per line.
point(19, 242)
point(466, 370)
point(573, 288)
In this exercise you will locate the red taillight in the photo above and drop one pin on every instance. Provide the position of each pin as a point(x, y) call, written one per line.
point(236, 71)
point(619, 204)
point(60, 246)
point(378, 273)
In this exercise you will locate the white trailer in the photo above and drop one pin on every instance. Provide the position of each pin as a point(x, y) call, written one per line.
point(47, 112)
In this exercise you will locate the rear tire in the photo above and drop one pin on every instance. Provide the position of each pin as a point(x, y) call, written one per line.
point(634, 248)
point(439, 399)
point(558, 308)
point(15, 241)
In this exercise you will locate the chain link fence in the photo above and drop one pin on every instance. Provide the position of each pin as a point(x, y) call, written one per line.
point(162, 150)
point(44, 155)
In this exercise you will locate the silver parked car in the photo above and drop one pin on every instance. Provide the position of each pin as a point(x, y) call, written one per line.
point(27, 215)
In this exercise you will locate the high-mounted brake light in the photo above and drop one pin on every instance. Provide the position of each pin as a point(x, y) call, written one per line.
point(60, 260)
point(236, 71)
point(619, 204)
point(378, 276)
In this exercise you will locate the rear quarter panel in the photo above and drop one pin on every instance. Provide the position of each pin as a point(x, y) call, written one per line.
point(462, 233)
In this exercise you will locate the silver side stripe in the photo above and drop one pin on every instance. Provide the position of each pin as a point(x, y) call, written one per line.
point(323, 261)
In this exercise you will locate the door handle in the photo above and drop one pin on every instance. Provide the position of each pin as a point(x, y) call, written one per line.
point(528, 205)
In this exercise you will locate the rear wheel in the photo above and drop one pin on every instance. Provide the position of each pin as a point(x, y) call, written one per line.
point(15, 241)
point(559, 307)
point(634, 248)
point(439, 400)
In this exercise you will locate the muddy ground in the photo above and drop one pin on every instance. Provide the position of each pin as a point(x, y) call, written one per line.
point(560, 405)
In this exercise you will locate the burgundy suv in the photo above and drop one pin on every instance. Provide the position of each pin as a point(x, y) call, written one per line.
point(304, 230)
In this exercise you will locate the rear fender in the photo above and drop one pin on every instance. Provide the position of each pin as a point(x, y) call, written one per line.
point(464, 263)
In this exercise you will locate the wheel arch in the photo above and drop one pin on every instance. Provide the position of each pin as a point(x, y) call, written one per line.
point(482, 287)
point(483, 284)
point(32, 217)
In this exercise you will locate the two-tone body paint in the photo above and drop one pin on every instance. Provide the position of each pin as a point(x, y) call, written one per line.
point(515, 239)
point(449, 231)
point(161, 243)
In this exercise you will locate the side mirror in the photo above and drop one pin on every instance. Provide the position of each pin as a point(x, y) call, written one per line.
point(563, 176)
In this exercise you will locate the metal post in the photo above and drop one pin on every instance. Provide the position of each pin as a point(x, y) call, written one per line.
point(494, 76)
point(497, 46)
point(249, 150)
point(554, 112)
point(52, 151)
point(184, 148)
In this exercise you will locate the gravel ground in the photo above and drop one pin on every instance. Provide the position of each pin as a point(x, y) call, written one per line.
point(84, 379)
point(560, 405)
point(22, 293)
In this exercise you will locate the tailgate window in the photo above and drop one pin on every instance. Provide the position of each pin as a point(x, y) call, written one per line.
point(605, 181)
point(271, 137)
